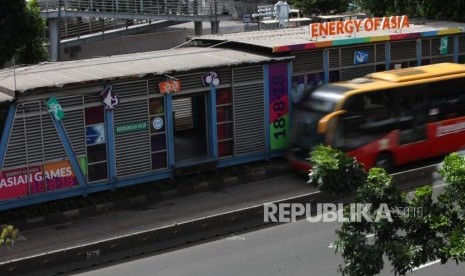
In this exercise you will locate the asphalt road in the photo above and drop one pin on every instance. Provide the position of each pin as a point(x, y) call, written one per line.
point(298, 248)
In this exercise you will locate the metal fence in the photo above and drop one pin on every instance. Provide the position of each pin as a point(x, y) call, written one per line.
point(162, 7)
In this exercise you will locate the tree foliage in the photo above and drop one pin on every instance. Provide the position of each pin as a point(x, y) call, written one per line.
point(430, 9)
point(334, 172)
point(422, 228)
point(321, 7)
point(8, 234)
point(22, 32)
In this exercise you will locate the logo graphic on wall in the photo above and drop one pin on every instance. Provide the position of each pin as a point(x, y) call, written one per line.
point(55, 108)
point(360, 57)
point(157, 123)
point(109, 99)
point(443, 47)
point(169, 86)
point(211, 78)
point(95, 134)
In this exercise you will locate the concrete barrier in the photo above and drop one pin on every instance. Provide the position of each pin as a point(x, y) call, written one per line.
point(147, 241)
point(207, 227)
point(41, 264)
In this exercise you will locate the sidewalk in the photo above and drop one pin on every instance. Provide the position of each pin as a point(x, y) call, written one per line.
point(158, 214)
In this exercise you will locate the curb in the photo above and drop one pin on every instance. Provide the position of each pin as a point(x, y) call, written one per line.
point(177, 234)
point(262, 173)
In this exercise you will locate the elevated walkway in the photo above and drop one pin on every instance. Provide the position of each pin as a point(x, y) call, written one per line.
point(71, 19)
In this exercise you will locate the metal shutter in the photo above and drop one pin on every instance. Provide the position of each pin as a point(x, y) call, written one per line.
point(461, 44)
point(356, 72)
point(16, 149)
point(405, 50)
point(74, 123)
point(307, 62)
point(334, 58)
point(247, 74)
point(182, 108)
point(132, 150)
point(53, 148)
point(380, 52)
point(191, 82)
point(249, 119)
point(444, 58)
point(34, 137)
point(425, 47)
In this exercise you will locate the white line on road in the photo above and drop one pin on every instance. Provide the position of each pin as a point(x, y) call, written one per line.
point(331, 245)
point(425, 265)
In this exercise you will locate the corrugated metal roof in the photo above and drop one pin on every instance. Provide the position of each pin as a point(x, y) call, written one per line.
point(57, 74)
point(295, 39)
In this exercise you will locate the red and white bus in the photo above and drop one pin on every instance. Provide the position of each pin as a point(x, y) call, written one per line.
point(386, 118)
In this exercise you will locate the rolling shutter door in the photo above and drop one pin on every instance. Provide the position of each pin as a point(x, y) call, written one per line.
point(248, 104)
point(356, 72)
point(308, 62)
point(132, 149)
point(16, 149)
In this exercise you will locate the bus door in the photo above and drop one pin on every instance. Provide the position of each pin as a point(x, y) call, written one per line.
point(412, 121)
point(364, 130)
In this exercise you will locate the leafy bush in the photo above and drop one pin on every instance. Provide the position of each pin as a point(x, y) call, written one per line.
point(334, 171)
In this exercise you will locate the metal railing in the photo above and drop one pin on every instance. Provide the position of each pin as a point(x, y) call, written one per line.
point(161, 7)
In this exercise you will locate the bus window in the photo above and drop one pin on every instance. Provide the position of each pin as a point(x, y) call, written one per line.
point(446, 103)
point(412, 117)
point(369, 116)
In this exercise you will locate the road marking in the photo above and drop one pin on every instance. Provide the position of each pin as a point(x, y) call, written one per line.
point(235, 238)
point(331, 245)
point(425, 265)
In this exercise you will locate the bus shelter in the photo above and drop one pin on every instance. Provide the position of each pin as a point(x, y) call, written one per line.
point(78, 127)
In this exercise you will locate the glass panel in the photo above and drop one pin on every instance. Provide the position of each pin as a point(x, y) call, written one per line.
point(158, 160)
point(225, 148)
point(157, 124)
point(334, 76)
point(224, 131)
point(298, 87)
point(314, 80)
point(98, 172)
point(223, 96)
point(156, 106)
point(158, 142)
point(94, 115)
point(224, 113)
point(96, 153)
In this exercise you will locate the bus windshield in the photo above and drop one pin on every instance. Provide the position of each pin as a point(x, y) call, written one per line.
point(316, 104)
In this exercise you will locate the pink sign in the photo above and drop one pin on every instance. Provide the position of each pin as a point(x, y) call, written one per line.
point(36, 179)
point(13, 183)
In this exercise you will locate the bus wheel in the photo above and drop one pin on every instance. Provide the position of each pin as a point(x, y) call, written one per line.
point(385, 162)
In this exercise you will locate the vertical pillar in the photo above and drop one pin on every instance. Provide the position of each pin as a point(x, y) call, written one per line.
point(54, 32)
point(110, 138)
point(456, 48)
point(69, 151)
point(266, 98)
point(419, 54)
point(388, 55)
point(6, 132)
point(215, 27)
point(212, 131)
point(326, 65)
point(170, 129)
point(198, 27)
